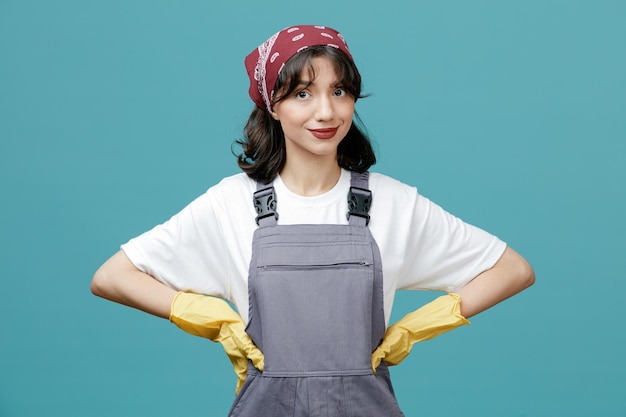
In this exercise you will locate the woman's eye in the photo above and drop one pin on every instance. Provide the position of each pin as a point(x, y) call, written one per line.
point(340, 92)
point(302, 94)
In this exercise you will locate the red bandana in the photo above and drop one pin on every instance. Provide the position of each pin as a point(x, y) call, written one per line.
point(265, 62)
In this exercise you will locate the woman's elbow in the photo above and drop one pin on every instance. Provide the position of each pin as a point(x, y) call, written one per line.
point(103, 283)
point(524, 273)
point(99, 285)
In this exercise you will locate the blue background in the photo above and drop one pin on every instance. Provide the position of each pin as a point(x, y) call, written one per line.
point(511, 115)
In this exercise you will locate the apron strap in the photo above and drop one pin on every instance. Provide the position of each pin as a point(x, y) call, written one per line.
point(359, 199)
point(359, 202)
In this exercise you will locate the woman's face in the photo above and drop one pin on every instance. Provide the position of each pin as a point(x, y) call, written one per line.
point(317, 115)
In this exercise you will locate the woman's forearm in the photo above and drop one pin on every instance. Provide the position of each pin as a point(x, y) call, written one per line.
point(120, 281)
point(510, 275)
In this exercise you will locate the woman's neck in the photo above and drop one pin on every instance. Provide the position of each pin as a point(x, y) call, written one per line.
point(310, 179)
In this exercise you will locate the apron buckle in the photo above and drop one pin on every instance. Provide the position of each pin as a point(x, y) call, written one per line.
point(265, 204)
point(359, 203)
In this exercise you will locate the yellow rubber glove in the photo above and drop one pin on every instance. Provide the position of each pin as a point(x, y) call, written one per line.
point(214, 319)
point(439, 316)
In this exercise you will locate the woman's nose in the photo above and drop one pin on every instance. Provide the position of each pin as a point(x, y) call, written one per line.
point(324, 109)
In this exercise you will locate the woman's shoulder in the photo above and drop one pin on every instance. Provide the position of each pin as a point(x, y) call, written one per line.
point(381, 183)
point(240, 180)
point(392, 200)
point(230, 192)
point(232, 186)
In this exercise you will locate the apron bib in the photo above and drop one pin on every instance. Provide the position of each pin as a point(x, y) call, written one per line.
point(317, 314)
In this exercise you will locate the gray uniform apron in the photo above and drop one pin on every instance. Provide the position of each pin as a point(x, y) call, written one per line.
point(317, 314)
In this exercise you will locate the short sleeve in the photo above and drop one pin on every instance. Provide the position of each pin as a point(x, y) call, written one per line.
point(186, 252)
point(443, 252)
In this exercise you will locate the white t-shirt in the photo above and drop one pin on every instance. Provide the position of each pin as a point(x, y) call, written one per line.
point(206, 248)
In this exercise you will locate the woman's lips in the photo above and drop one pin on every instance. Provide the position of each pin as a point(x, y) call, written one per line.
point(324, 133)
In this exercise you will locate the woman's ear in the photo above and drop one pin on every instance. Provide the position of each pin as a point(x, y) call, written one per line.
point(275, 115)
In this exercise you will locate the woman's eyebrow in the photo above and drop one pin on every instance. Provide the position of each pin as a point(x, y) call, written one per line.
point(307, 83)
point(304, 83)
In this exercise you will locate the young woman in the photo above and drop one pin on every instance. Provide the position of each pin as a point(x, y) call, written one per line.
point(310, 247)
